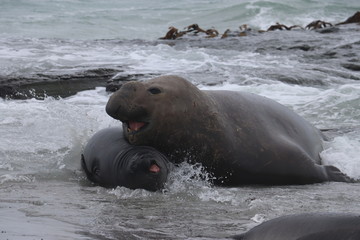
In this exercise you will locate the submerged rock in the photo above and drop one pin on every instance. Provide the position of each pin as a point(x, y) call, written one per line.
point(42, 85)
point(353, 19)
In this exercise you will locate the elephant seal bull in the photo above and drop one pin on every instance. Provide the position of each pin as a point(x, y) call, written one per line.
point(110, 161)
point(309, 226)
point(240, 138)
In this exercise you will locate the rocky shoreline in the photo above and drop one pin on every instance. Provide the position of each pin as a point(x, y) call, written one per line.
point(42, 84)
point(244, 30)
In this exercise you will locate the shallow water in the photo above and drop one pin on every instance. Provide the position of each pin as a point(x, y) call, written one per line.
point(44, 193)
point(41, 181)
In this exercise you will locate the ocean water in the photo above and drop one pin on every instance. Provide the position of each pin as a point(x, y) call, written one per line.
point(43, 192)
point(109, 19)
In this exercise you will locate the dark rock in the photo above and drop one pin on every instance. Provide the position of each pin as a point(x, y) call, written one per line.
point(42, 85)
point(303, 47)
point(117, 81)
point(353, 19)
point(351, 66)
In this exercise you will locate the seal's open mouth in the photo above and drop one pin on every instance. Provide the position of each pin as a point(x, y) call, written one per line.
point(154, 168)
point(134, 127)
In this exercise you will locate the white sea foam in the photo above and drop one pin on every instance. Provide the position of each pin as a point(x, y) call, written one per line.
point(126, 193)
point(6, 166)
point(343, 152)
point(187, 177)
point(258, 218)
point(38, 135)
point(15, 178)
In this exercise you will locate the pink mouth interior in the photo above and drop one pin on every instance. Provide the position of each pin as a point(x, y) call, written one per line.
point(135, 126)
point(154, 168)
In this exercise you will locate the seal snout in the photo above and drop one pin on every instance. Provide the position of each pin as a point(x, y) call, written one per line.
point(121, 104)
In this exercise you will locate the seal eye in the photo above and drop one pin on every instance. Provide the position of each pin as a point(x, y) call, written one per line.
point(154, 90)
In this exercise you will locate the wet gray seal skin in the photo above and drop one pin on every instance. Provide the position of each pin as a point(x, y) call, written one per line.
point(110, 161)
point(310, 226)
point(240, 138)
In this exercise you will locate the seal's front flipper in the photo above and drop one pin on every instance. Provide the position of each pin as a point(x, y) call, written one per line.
point(334, 174)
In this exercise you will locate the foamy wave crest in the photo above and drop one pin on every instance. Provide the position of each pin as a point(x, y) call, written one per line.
point(16, 178)
point(229, 196)
point(126, 193)
point(185, 180)
point(6, 166)
point(258, 218)
point(42, 135)
point(343, 153)
point(187, 177)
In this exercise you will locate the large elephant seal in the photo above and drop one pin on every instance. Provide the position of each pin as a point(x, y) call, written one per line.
point(110, 161)
point(239, 137)
point(310, 226)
